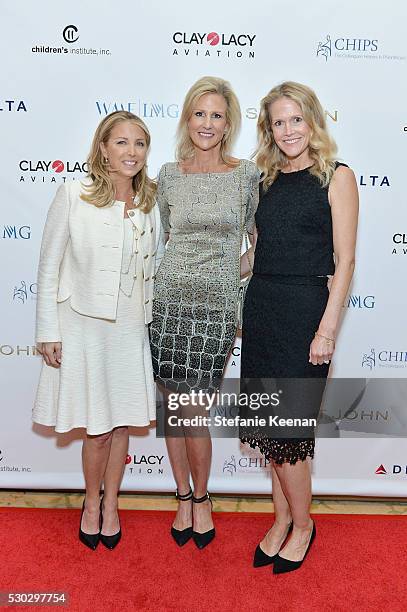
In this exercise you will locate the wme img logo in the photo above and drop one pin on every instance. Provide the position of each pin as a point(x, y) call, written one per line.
point(16, 232)
point(361, 301)
point(146, 110)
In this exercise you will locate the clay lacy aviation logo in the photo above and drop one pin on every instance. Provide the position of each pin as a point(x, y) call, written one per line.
point(384, 359)
point(144, 464)
point(399, 244)
point(212, 44)
point(42, 171)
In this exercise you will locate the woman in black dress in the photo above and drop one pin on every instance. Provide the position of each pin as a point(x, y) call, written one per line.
point(306, 232)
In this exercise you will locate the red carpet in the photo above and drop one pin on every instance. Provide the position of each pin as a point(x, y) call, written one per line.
point(356, 563)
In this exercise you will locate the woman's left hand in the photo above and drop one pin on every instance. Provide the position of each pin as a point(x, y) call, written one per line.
point(321, 350)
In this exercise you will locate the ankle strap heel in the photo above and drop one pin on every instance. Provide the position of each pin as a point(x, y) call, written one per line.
point(181, 536)
point(185, 497)
point(199, 500)
point(203, 539)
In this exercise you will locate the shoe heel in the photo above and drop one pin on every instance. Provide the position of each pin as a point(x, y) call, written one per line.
point(109, 541)
point(91, 540)
point(261, 559)
point(182, 536)
point(203, 539)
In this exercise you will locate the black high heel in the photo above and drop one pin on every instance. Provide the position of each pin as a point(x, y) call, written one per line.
point(203, 539)
point(91, 540)
point(261, 559)
point(281, 565)
point(181, 536)
point(109, 541)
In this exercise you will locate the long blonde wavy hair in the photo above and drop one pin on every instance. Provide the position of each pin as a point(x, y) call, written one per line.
point(322, 148)
point(205, 85)
point(101, 192)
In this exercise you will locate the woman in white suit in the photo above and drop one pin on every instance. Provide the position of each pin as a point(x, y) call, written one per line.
point(101, 244)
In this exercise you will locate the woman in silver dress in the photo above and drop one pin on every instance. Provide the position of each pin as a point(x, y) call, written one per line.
point(206, 198)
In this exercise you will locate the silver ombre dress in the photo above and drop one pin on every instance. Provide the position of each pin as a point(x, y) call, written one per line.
point(196, 287)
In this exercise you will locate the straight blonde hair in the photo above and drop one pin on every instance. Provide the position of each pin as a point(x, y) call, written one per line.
point(322, 148)
point(102, 190)
point(205, 85)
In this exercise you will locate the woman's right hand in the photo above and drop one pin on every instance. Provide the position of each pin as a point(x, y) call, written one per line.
point(52, 353)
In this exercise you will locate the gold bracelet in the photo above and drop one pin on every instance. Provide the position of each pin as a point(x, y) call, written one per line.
point(325, 337)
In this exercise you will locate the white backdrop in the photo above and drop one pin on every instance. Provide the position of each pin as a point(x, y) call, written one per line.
point(66, 65)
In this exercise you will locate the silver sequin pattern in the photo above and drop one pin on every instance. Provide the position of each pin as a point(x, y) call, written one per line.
point(195, 299)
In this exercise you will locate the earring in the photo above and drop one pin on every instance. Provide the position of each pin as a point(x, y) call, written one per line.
point(106, 160)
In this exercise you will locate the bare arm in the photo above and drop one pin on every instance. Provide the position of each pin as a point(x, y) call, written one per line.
point(247, 259)
point(344, 201)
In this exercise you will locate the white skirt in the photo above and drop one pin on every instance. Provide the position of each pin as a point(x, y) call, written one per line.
point(106, 377)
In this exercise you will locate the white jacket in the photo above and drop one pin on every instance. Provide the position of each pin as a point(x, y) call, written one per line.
point(81, 256)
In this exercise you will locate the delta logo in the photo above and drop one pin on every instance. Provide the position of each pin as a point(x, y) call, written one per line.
point(42, 171)
point(214, 44)
point(381, 469)
point(396, 469)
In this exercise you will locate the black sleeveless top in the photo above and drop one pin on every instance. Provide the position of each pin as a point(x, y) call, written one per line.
point(294, 227)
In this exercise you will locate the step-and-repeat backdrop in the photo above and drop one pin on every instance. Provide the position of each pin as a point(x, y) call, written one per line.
point(66, 65)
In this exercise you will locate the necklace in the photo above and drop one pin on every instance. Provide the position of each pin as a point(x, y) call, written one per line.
point(128, 272)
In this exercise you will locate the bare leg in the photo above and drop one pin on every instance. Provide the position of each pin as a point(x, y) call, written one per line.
point(95, 455)
point(180, 468)
point(199, 450)
point(272, 541)
point(190, 452)
point(295, 481)
point(112, 479)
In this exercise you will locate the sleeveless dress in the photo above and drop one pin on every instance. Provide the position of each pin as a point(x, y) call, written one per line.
point(106, 377)
point(196, 286)
point(284, 304)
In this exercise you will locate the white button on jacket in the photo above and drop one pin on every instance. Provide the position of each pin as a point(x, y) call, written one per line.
point(81, 256)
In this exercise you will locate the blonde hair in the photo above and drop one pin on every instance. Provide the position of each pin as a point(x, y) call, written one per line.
point(102, 190)
point(322, 148)
point(205, 85)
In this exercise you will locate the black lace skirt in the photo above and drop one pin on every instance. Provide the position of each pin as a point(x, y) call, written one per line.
point(281, 315)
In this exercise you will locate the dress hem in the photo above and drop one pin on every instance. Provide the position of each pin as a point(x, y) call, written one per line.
point(89, 433)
